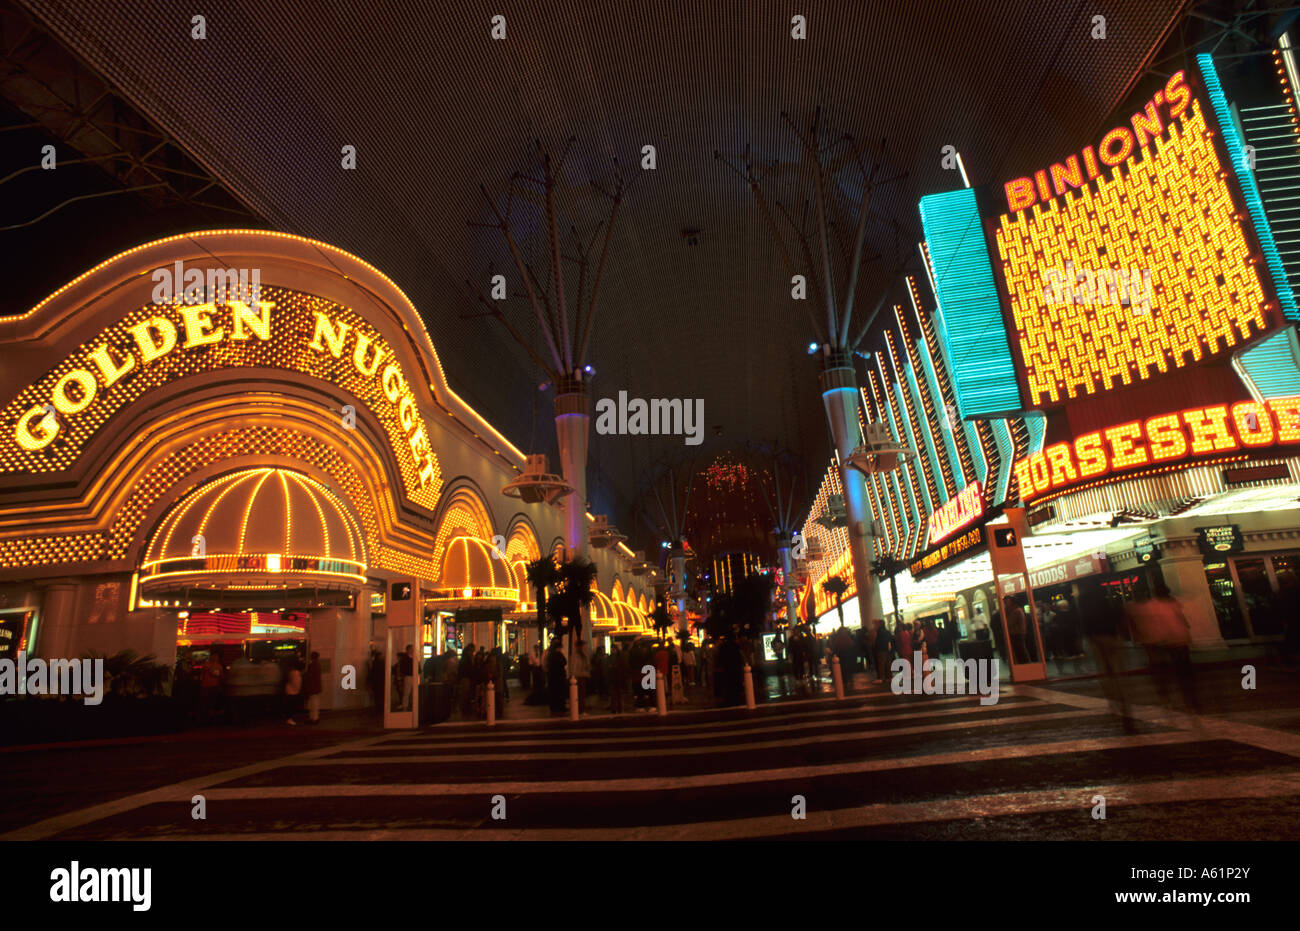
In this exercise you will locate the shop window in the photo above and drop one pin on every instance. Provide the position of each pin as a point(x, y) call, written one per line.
point(1224, 595)
point(1259, 596)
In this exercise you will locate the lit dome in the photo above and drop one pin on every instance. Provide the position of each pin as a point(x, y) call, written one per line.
point(628, 616)
point(263, 528)
point(604, 611)
point(472, 576)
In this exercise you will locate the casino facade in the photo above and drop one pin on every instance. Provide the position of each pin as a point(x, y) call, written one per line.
point(282, 467)
point(1100, 379)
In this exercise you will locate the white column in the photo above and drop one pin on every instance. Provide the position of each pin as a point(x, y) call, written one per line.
point(840, 396)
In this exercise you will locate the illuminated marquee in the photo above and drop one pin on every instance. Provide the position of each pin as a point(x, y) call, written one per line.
point(966, 508)
point(955, 550)
point(1219, 431)
point(1150, 205)
point(157, 344)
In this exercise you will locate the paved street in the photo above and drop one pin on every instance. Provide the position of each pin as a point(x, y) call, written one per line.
point(874, 766)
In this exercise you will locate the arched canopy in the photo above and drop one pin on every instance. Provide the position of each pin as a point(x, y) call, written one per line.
point(267, 528)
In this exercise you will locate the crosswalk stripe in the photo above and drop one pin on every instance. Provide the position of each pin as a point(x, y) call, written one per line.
point(669, 733)
point(644, 784)
point(1118, 797)
point(379, 760)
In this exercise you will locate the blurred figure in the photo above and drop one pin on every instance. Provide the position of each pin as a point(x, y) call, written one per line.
point(903, 638)
point(312, 688)
point(211, 681)
point(1015, 616)
point(618, 673)
point(557, 683)
point(1105, 628)
point(375, 679)
point(731, 667)
point(1161, 627)
point(882, 648)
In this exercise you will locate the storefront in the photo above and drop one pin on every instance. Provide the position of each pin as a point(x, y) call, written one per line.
point(265, 472)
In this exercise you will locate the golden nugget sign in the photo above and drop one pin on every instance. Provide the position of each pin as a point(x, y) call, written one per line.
point(159, 343)
point(1219, 431)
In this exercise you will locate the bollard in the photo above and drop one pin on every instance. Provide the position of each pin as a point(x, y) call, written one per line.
point(573, 698)
point(837, 675)
point(491, 703)
point(749, 687)
point(661, 695)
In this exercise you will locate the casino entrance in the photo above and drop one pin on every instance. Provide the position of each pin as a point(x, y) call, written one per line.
point(260, 567)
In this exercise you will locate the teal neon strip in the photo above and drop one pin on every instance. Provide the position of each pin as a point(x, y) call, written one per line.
point(912, 442)
point(1271, 368)
point(971, 326)
point(1254, 204)
point(949, 444)
point(1006, 444)
point(927, 429)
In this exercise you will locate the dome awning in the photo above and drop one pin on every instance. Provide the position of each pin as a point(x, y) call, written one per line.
point(257, 529)
point(474, 576)
point(604, 611)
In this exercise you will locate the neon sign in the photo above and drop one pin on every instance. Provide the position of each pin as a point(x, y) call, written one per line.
point(1148, 268)
point(1220, 430)
point(958, 512)
point(1115, 147)
point(157, 344)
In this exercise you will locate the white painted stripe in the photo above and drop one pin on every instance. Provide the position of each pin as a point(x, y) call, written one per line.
point(1079, 799)
point(351, 790)
point(582, 739)
point(1256, 736)
point(73, 819)
point(829, 711)
point(716, 749)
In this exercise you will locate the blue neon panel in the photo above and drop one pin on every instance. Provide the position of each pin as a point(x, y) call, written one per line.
point(1237, 156)
point(1006, 444)
point(1270, 365)
point(914, 444)
point(971, 325)
point(950, 444)
point(1037, 424)
point(927, 429)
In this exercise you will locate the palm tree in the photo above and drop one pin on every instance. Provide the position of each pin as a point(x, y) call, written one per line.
point(571, 592)
point(542, 574)
point(836, 586)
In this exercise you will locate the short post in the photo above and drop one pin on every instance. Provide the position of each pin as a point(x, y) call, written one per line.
point(491, 703)
point(749, 686)
point(837, 676)
point(573, 698)
point(661, 695)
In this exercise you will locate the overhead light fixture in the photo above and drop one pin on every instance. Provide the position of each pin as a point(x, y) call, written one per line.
point(812, 348)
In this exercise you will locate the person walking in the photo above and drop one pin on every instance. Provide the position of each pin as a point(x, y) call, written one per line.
point(882, 648)
point(211, 682)
point(618, 673)
point(557, 683)
point(580, 669)
point(903, 639)
point(312, 688)
point(292, 690)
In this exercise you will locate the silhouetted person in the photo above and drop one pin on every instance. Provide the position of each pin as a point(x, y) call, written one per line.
point(1105, 628)
point(557, 683)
